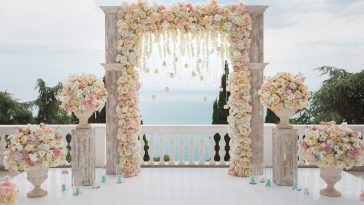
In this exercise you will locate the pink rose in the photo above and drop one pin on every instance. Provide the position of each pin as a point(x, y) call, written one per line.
point(57, 152)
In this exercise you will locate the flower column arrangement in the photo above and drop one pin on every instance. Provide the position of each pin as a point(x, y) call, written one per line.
point(332, 148)
point(8, 193)
point(284, 94)
point(129, 122)
point(35, 149)
point(83, 94)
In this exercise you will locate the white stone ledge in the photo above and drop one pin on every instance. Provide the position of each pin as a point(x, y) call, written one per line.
point(112, 66)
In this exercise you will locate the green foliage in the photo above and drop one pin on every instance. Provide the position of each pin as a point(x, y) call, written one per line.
point(14, 112)
point(48, 106)
point(166, 158)
point(271, 117)
point(220, 114)
point(340, 98)
point(69, 148)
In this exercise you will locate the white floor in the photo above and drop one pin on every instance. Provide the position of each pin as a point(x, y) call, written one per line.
point(187, 186)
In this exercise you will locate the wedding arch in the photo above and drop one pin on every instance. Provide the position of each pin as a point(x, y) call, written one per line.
point(125, 26)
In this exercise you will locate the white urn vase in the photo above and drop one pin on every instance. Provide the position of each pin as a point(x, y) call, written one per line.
point(331, 176)
point(284, 115)
point(37, 175)
point(83, 118)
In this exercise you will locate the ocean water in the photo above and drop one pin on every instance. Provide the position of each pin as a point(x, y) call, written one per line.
point(181, 107)
point(177, 107)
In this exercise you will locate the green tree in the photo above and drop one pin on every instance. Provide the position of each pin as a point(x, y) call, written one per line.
point(220, 114)
point(340, 98)
point(14, 112)
point(271, 117)
point(48, 105)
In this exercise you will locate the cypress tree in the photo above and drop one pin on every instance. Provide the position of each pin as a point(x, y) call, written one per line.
point(271, 117)
point(220, 114)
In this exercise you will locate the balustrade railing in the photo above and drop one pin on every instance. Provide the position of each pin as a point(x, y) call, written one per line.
point(176, 145)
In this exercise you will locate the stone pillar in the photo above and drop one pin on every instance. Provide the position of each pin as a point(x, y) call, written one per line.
point(257, 120)
point(256, 67)
point(284, 147)
point(256, 52)
point(112, 74)
point(83, 155)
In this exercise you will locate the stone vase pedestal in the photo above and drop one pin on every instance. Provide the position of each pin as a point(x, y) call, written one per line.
point(331, 176)
point(37, 175)
point(284, 116)
point(284, 156)
point(83, 155)
point(83, 117)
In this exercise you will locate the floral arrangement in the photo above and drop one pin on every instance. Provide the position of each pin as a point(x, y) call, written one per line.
point(239, 123)
point(284, 91)
point(129, 122)
point(331, 145)
point(8, 193)
point(203, 22)
point(81, 93)
point(35, 145)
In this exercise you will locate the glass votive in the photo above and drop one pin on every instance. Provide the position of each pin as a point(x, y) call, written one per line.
point(119, 179)
point(65, 180)
point(103, 179)
point(119, 176)
point(252, 180)
point(268, 183)
point(294, 185)
point(77, 182)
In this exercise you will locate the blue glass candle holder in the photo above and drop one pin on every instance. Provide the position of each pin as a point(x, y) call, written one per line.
point(268, 183)
point(252, 180)
point(77, 191)
point(295, 186)
point(64, 188)
point(103, 179)
point(119, 179)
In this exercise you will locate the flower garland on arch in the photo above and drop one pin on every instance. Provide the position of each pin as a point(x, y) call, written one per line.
point(136, 19)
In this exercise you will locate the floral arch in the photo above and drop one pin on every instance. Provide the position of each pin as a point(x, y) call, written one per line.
point(125, 27)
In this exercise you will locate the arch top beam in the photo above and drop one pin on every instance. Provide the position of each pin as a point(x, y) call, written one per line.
point(251, 9)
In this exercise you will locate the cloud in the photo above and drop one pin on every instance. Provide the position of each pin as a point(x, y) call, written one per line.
point(50, 39)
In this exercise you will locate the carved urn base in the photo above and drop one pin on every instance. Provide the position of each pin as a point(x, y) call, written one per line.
point(331, 176)
point(284, 116)
point(37, 175)
point(83, 117)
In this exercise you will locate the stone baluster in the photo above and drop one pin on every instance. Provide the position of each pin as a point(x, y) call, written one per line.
point(151, 150)
point(222, 144)
point(181, 150)
point(161, 148)
point(142, 147)
point(212, 149)
point(201, 149)
point(191, 149)
point(171, 151)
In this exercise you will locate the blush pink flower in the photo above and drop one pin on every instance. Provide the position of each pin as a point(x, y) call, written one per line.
point(57, 152)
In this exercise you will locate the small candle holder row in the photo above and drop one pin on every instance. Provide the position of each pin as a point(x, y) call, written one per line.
point(77, 181)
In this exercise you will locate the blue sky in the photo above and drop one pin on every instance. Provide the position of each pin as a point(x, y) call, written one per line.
point(50, 39)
